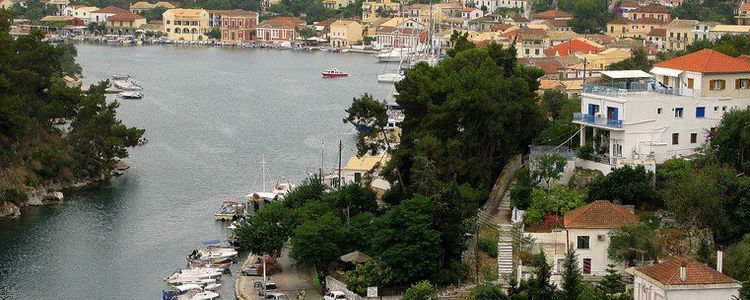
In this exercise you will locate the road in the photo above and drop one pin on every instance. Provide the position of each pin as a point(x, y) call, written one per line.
point(290, 281)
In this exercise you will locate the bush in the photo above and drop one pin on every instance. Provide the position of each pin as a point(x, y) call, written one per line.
point(489, 246)
point(15, 196)
point(520, 193)
point(586, 152)
point(626, 185)
point(272, 266)
point(422, 290)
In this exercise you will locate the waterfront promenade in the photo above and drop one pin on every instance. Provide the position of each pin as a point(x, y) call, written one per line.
point(290, 281)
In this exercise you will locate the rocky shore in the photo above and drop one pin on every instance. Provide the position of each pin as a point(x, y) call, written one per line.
point(52, 193)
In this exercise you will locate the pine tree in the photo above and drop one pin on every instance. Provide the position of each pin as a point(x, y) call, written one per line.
point(704, 253)
point(540, 287)
point(612, 283)
point(571, 276)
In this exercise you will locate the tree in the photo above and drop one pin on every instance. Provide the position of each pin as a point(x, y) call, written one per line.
point(633, 243)
point(738, 260)
point(520, 192)
point(310, 190)
point(705, 254)
point(571, 276)
point(405, 241)
point(154, 13)
point(553, 102)
point(627, 185)
point(698, 199)
point(365, 275)
point(732, 140)
point(267, 230)
point(639, 61)
point(612, 286)
point(547, 168)
point(590, 16)
point(306, 32)
point(460, 43)
point(422, 290)
point(706, 10)
point(319, 242)
point(540, 286)
point(215, 33)
point(489, 292)
point(351, 200)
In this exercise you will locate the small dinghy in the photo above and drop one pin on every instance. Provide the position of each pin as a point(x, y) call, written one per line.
point(131, 95)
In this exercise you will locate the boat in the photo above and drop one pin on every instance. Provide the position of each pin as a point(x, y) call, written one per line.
point(393, 55)
point(334, 73)
point(112, 39)
point(194, 263)
point(127, 84)
point(191, 275)
point(120, 76)
point(131, 95)
point(213, 252)
point(390, 77)
point(200, 282)
point(229, 210)
point(278, 193)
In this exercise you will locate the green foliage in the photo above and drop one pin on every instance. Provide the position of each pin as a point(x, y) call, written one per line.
point(571, 276)
point(520, 192)
point(14, 196)
point(704, 254)
point(729, 44)
point(34, 9)
point(310, 10)
point(732, 140)
point(406, 242)
point(745, 291)
point(547, 168)
point(673, 169)
point(365, 275)
point(154, 14)
point(306, 32)
point(590, 16)
point(370, 116)
point(361, 227)
point(559, 200)
point(612, 285)
point(553, 102)
point(489, 246)
point(308, 191)
point(489, 292)
point(638, 61)
point(215, 33)
point(737, 260)
point(460, 43)
point(422, 290)
point(540, 286)
point(542, 5)
point(706, 10)
point(351, 200)
point(586, 151)
point(626, 185)
point(267, 230)
point(627, 242)
point(320, 241)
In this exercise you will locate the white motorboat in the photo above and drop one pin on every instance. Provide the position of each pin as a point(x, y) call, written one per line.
point(229, 209)
point(394, 55)
point(390, 77)
point(198, 295)
point(187, 276)
point(126, 83)
point(131, 95)
point(200, 282)
point(213, 254)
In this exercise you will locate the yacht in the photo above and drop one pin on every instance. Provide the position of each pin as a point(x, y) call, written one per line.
point(331, 73)
point(127, 84)
point(131, 95)
point(276, 195)
point(393, 55)
point(390, 77)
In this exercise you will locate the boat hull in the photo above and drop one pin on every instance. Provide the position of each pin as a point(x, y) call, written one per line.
point(335, 75)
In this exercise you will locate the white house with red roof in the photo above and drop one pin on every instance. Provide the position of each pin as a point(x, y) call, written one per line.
point(743, 14)
point(647, 118)
point(101, 15)
point(587, 231)
point(682, 278)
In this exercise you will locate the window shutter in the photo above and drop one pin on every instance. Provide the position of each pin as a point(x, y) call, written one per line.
point(723, 85)
point(736, 84)
point(711, 84)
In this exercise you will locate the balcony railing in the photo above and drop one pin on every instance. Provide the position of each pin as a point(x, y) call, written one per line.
point(621, 91)
point(592, 119)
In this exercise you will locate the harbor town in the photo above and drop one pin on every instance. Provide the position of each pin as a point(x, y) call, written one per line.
point(354, 149)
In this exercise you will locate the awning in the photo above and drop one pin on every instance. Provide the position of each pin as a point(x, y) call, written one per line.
point(666, 71)
point(626, 74)
point(355, 256)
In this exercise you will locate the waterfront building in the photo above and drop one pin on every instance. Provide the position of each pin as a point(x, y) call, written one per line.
point(587, 231)
point(344, 33)
point(362, 169)
point(683, 278)
point(185, 24)
point(400, 32)
point(81, 12)
point(680, 34)
point(742, 14)
point(278, 29)
point(651, 11)
point(720, 30)
point(643, 118)
point(101, 15)
point(238, 25)
point(58, 5)
point(379, 8)
point(124, 23)
point(336, 4)
point(143, 6)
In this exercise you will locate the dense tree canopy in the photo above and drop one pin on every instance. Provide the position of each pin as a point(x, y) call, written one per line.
point(632, 242)
point(732, 140)
point(638, 61)
point(706, 10)
point(590, 16)
point(626, 185)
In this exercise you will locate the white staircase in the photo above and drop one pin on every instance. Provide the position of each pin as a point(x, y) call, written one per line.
point(505, 253)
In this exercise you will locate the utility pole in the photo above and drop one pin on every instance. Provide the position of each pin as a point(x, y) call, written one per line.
point(338, 184)
point(476, 248)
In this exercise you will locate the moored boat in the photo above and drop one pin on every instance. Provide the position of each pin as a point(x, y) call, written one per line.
point(390, 77)
point(131, 95)
point(229, 210)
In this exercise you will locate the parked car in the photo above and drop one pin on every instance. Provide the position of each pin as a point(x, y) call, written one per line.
point(276, 296)
point(270, 287)
point(334, 295)
point(251, 271)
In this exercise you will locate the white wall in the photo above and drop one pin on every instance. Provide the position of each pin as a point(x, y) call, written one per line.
point(597, 251)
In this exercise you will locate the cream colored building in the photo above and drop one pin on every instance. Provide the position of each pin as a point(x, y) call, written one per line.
point(80, 12)
point(143, 6)
point(360, 169)
point(336, 4)
point(186, 24)
point(607, 57)
point(680, 34)
point(344, 33)
point(371, 9)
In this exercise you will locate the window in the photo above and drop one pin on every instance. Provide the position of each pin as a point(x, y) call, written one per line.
point(658, 111)
point(700, 112)
point(723, 108)
point(357, 177)
point(693, 138)
point(675, 139)
point(717, 84)
point(716, 108)
point(666, 80)
point(690, 83)
point(583, 242)
point(678, 112)
point(741, 84)
point(586, 266)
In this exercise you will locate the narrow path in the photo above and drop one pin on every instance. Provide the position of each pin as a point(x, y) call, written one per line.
point(290, 281)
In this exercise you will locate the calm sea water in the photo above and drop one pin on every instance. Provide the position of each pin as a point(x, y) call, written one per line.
point(209, 114)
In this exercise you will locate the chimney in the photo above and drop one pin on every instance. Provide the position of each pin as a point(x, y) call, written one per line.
point(683, 271)
point(719, 261)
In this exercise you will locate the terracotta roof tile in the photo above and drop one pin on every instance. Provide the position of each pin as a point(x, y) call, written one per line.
point(650, 21)
point(629, 4)
point(127, 17)
point(111, 10)
point(745, 6)
point(500, 27)
point(570, 47)
point(599, 214)
point(550, 65)
point(552, 14)
point(744, 57)
point(707, 61)
point(668, 272)
point(653, 8)
point(620, 20)
point(657, 32)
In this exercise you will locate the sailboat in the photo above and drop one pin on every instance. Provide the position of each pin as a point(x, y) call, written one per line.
point(279, 190)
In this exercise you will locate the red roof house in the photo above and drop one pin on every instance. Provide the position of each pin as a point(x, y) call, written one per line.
point(571, 47)
point(553, 15)
point(599, 214)
point(707, 61)
point(682, 277)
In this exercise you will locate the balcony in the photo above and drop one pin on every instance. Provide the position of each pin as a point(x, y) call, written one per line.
point(622, 91)
point(604, 122)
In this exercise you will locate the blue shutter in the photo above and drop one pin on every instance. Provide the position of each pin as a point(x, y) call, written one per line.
point(700, 112)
